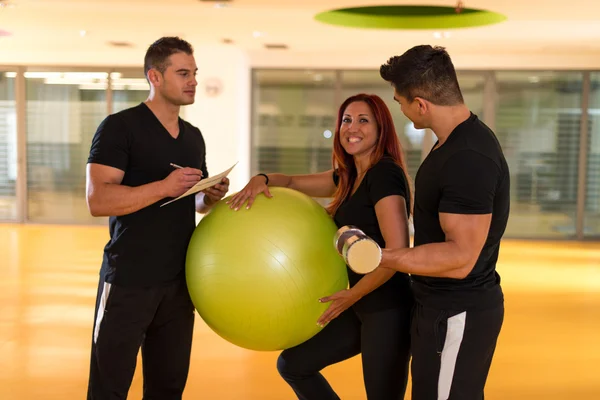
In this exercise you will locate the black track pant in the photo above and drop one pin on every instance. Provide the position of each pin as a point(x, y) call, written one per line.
point(452, 352)
point(161, 321)
point(382, 337)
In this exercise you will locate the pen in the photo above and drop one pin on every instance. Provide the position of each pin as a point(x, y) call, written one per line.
point(175, 165)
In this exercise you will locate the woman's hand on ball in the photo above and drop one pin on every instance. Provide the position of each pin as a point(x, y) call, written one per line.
point(255, 187)
point(340, 302)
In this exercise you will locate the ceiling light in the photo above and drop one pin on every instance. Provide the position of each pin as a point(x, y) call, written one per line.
point(117, 43)
point(409, 17)
point(276, 46)
point(257, 34)
point(82, 33)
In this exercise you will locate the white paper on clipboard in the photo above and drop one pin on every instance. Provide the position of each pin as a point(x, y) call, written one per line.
point(203, 184)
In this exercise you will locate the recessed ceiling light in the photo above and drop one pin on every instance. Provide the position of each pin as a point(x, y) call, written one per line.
point(116, 43)
point(276, 46)
point(439, 35)
point(82, 33)
point(258, 34)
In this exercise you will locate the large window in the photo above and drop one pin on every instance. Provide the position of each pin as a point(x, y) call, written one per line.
point(295, 112)
point(538, 124)
point(293, 121)
point(129, 89)
point(592, 203)
point(472, 85)
point(63, 112)
point(535, 114)
point(64, 109)
point(8, 147)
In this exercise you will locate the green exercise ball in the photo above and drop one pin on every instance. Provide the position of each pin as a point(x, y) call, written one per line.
point(255, 276)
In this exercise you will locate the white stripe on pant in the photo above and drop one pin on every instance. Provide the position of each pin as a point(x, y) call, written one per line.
point(101, 308)
point(454, 337)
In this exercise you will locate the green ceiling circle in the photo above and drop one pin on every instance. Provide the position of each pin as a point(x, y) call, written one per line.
point(409, 17)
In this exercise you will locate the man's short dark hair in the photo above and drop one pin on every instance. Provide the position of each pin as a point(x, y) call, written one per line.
point(424, 71)
point(157, 55)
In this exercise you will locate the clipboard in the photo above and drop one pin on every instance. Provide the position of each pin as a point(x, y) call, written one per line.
point(203, 184)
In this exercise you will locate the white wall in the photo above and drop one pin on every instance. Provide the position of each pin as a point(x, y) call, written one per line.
point(223, 116)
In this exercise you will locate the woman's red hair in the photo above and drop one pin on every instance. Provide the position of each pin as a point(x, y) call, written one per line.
point(387, 145)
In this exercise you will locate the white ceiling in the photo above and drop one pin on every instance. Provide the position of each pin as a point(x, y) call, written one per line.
point(48, 31)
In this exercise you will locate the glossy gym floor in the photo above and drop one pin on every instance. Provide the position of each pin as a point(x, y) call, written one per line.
point(548, 349)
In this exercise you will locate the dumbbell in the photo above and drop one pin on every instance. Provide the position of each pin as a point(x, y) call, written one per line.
point(361, 253)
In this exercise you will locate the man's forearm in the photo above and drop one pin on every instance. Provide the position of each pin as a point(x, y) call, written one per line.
point(110, 199)
point(444, 260)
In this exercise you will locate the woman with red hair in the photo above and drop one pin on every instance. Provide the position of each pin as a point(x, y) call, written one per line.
point(370, 190)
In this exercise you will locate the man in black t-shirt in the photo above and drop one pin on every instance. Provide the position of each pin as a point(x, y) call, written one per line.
point(462, 200)
point(139, 159)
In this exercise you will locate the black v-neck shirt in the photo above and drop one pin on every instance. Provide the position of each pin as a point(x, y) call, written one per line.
point(148, 247)
point(386, 178)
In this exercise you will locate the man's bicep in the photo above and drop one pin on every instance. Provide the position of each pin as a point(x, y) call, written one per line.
point(467, 231)
point(98, 173)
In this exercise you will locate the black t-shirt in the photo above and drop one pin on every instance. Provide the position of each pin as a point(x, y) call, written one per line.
point(148, 247)
point(386, 178)
point(468, 174)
